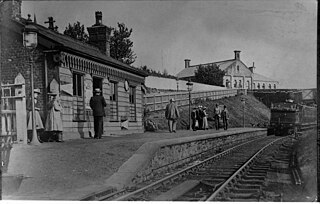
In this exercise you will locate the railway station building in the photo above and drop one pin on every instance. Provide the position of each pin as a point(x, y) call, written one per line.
point(74, 69)
point(237, 74)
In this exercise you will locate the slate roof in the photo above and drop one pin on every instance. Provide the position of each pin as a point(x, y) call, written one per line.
point(258, 77)
point(223, 65)
point(190, 71)
point(69, 44)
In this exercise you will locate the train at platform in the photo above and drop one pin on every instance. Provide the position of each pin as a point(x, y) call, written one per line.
point(290, 118)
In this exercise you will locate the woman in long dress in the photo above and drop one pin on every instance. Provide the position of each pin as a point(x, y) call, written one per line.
point(54, 121)
point(205, 119)
point(38, 121)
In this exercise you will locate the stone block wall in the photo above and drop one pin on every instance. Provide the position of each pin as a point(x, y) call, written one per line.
point(167, 156)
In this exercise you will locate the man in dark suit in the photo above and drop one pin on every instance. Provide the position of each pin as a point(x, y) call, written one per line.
point(97, 104)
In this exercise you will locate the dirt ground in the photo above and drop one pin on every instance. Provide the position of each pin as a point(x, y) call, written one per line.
point(307, 162)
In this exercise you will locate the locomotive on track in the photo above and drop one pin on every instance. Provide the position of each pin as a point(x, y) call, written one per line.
point(289, 118)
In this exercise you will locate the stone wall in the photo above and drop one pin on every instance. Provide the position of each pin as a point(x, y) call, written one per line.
point(159, 157)
point(167, 156)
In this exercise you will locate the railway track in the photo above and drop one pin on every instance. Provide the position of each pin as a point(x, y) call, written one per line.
point(236, 174)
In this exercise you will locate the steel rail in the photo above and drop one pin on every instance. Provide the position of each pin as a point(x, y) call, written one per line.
point(182, 171)
point(225, 184)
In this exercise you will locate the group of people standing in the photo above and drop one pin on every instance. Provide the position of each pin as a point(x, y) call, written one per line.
point(199, 118)
point(53, 123)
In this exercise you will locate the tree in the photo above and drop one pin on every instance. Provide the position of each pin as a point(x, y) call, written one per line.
point(165, 72)
point(210, 74)
point(121, 45)
point(76, 31)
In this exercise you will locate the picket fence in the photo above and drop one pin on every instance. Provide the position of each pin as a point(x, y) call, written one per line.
point(156, 102)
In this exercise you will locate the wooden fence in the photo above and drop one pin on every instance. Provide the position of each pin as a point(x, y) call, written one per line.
point(13, 118)
point(155, 102)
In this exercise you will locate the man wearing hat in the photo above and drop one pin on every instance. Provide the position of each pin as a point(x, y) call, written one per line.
point(172, 114)
point(97, 104)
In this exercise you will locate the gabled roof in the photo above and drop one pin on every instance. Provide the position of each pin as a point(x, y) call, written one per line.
point(187, 72)
point(69, 44)
point(258, 77)
point(190, 71)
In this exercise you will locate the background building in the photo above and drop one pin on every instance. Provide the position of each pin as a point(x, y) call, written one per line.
point(237, 74)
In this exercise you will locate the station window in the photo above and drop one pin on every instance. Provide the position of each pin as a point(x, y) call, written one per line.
point(238, 69)
point(235, 83)
point(77, 84)
point(113, 101)
point(132, 102)
point(240, 84)
point(78, 99)
point(274, 86)
point(269, 86)
point(263, 86)
point(258, 86)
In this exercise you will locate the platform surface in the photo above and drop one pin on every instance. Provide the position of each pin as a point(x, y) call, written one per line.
point(66, 171)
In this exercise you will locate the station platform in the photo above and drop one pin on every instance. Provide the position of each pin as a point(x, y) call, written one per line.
point(78, 167)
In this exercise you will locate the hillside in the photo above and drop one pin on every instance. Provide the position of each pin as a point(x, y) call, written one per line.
point(256, 113)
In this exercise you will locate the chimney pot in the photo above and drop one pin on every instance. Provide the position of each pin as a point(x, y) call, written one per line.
point(98, 18)
point(187, 63)
point(237, 54)
point(51, 23)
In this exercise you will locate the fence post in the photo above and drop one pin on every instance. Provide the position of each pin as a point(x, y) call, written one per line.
point(154, 103)
point(21, 111)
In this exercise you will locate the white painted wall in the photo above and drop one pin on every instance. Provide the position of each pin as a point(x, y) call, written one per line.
point(172, 84)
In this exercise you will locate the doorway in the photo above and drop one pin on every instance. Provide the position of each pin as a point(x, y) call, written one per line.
point(97, 83)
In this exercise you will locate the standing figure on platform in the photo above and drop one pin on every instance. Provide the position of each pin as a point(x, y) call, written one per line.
point(54, 121)
point(200, 117)
point(172, 114)
point(194, 116)
point(205, 119)
point(97, 104)
point(225, 117)
point(38, 121)
point(217, 115)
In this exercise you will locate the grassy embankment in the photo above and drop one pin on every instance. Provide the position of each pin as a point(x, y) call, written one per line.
point(256, 113)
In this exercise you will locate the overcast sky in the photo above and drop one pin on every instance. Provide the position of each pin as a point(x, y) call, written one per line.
point(279, 36)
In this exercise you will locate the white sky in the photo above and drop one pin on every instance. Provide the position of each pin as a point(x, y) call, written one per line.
point(279, 36)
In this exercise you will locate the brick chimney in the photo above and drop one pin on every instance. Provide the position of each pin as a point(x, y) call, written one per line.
point(187, 63)
point(237, 54)
point(10, 9)
point(99, 35)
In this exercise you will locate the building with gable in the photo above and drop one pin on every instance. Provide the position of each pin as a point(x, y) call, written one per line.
point(78, 68)
point(237, 74)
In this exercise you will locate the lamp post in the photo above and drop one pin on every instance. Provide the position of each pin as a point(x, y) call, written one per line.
point(30, 41)
point(189, 86)
point(243, 100)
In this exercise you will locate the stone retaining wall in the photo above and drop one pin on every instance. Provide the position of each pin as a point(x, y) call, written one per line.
point(168, 155)
point(158, 157)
